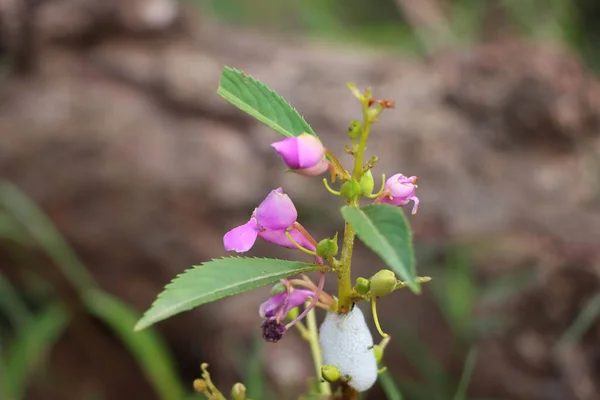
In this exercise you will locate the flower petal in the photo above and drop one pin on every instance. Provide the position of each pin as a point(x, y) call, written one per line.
point(315, 170)
point(297, 298)
point(303, 151)
point(277, 211)
point(279, 238)
point(242, 238)
point(269, 307)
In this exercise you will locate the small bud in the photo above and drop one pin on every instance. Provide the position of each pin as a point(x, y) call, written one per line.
point(383, 283)
point(378, 353)
point(293, 313)
point(362, 285)
point(374, 112)
point(367, 183)
point(200, 385)
point(351, 190)
point(328, 247)
point(354, 130)
point(278, 288)
point(330, 373)
point(238, 392)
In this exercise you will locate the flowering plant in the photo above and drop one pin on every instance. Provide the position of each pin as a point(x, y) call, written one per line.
point(343, 348)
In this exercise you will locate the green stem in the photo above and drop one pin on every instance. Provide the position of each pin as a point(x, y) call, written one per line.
point(344, 274)
point(315, 349)
point(362, 145)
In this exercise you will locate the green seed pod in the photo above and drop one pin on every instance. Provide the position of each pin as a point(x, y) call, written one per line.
point(238, 392)
point(383, 283)
point(351, 190)
point(362, 285)
point(293, 313)
point(328, 247)
point(278, 288)
point(378, 353)
point(367, 183)
point(354, 130)
point(330, 373)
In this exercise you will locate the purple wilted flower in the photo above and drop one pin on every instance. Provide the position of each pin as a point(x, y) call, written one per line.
point(279, 305)
point(275, 309)
point(303, 154)
point(399, 191)
point(271, 220)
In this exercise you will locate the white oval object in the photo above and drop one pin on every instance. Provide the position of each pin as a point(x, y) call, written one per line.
point(346, 343)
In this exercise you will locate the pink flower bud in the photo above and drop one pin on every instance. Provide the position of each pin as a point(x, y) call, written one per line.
point(399, 191)
point(303, 154)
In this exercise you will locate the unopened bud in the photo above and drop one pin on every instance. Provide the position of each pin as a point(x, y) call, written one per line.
point(278, 288)
point(354, 130)
point(328, 247)
point(200, 385)
point(383, 283)
point(238, 392)
point(367, 183)
point(293, 314)
point(330, 373)
point(374, 112)
point(351, 190)
point(362, 285)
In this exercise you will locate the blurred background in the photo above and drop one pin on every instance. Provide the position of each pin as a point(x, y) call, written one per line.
point(120, 167)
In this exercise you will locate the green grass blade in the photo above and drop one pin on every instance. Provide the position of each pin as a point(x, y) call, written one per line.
point(467, 374)
point(216, 279)
point(12, 306)
point(256, 99)
point(390, 388)
point(28, 350)
point(42, 230)
point(586, 318)
point(146, 347)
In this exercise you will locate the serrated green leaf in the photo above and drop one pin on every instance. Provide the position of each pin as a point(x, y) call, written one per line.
point(259, 101)
point(216, 279)
point(385, 230)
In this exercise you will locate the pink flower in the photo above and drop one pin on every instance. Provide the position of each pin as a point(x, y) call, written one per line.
point(400, 190)
point(303, 154)
point(270, 221)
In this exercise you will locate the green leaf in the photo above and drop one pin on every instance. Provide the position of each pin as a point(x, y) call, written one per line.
point(385, 230)
point(256, 99)
point(30, 348)
point(148, 349)
point(216, 279)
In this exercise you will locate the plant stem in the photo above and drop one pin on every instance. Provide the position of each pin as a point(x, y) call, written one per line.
point(315, 349)
point(362, 145)
point(344, 274)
